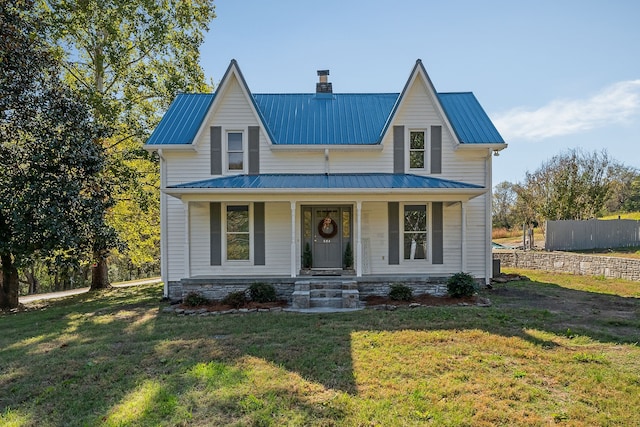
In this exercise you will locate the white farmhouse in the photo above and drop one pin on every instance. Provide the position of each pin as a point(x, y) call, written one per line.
point(367, 188)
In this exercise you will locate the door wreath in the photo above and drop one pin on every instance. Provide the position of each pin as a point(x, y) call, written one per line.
point(327, 228)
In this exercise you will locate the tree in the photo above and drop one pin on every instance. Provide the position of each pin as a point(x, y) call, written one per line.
point(503, 206)
point(571, 185)
point(50, 190)
point(131, 57)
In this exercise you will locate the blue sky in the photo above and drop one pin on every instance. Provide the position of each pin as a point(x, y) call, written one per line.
point(552, 75)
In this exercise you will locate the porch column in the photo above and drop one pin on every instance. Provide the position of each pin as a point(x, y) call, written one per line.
point(463, 214)
point(359, 239)
point(187, 241)
point(293, 239)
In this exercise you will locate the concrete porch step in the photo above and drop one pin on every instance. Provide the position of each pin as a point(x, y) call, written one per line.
point(325, 293)
point(325, 302)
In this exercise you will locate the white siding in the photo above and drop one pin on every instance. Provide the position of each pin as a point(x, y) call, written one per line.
point(277, 248)
point(175, 247)
point(234, 112)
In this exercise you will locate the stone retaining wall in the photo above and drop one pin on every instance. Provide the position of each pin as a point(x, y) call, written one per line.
point(564, 262)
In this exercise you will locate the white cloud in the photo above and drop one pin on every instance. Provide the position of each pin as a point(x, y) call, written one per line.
point(614, 104)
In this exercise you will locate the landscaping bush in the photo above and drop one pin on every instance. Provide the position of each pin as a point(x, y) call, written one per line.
point(194, 299)
point(461, 285)
point(262, 292)
point(235, 299)
point(400, 292)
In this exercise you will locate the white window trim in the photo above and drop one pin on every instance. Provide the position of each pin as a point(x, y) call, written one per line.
point(427, 141)
point(225, 259)
point(245, 148)
point(429, 232)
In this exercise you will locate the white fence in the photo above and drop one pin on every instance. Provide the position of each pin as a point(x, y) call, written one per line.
point(591, 234)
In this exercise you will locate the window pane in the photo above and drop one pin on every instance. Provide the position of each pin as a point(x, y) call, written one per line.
point(415, 246)
point(307, 223)
point(417, 140)
point(235, 161)
point(415, 218)
point(416, 159)
point(237, 247)
point(234, 140)
point(238, 219)
point(346, 222)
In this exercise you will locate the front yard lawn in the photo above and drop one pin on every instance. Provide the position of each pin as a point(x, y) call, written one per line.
point(550, 351)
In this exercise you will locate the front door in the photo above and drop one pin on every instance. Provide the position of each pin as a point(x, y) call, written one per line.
point(327, 237)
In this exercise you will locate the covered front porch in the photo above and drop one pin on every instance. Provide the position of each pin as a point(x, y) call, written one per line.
point(331, 224)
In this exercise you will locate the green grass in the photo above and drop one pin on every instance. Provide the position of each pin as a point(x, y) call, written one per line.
point(113, 359)
point(625, 215)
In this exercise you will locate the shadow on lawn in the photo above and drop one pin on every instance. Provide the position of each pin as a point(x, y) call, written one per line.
point(101, 355)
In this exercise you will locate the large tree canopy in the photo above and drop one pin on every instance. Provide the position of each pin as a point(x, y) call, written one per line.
point(51, 195)
point(130, 57)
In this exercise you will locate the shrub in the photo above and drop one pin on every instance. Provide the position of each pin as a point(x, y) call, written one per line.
point(235, 299)
point(400, 292)
point(194, 299)
point(461, 285)
point(307, 257)
point(262, 292)
point(347, 259)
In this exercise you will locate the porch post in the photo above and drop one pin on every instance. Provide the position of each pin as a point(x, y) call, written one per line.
point(359, 239)
point(187, 239)
point(463, 214)
point(293, 239)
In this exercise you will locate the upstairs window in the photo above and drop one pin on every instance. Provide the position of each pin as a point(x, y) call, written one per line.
point(235, 151)
point(417, 149)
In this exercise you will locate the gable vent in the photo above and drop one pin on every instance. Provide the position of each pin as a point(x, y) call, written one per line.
point(323, 86)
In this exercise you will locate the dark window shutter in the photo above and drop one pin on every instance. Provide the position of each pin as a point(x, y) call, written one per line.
point(398, 149)
point(215, 226)
point(258, 234)
point(437, 219)
point(394, 233)
point(436, 149)
point(254, 150)
point(216, 150)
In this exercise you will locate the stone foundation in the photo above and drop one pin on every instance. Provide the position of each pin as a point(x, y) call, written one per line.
point(218, 288)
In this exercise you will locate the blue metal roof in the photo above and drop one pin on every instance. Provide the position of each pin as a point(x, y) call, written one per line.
point(469, 121)
point(324, 119)
point(182, 120)
point(332, 119)
point(330, 181)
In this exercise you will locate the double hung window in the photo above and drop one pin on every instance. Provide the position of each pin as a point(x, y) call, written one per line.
point(417, 145)
point(415, 232)
point(238, 233)
point(235, 151)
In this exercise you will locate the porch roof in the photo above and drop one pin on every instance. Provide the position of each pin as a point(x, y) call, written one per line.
point(336, 181)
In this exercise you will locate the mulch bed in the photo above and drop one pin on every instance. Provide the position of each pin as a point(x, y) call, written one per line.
point(425, 299)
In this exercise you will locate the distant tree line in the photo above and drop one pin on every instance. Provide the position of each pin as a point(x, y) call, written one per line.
point(572, 185)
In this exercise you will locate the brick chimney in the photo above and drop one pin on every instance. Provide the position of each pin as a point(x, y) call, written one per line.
point(323, 86)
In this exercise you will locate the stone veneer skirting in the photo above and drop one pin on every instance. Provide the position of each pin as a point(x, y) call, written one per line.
point(218, 288)
point(564, 262)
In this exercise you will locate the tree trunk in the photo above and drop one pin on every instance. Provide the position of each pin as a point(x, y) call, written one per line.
point(9, 288)
point(100, 272)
